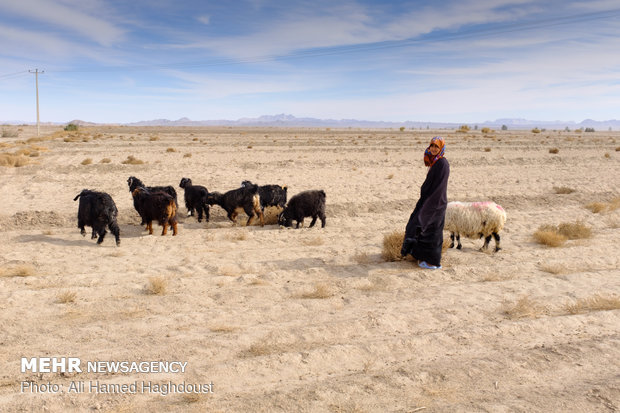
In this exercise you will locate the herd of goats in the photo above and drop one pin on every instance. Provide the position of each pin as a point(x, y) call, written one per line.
point(159, 203)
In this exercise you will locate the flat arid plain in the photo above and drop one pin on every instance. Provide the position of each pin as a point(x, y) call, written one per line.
point(269, 319)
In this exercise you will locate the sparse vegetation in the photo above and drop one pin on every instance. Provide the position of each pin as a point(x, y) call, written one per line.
point(156, 286)
point(600, 207)
point(66, 297)
point(554, 150)
point(72, 127)
point(9, 133)
point(171, 150)
point(392, 243)
point(535, 130)
point(105, 160)
point(463, 129)
point(563, 190)
point(12, 160)
point(22, 270)
point(87, 161)
point(131, 160)
point(320, 291)
point(595, 303)
point(555, 236)
point(523, 308)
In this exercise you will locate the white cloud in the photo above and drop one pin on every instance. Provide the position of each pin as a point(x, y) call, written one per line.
point(49, 12)
point(204, 19)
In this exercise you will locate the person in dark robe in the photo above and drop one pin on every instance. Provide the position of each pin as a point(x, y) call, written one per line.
point(424, 231)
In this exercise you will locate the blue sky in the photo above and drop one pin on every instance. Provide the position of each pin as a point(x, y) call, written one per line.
point(446, 61)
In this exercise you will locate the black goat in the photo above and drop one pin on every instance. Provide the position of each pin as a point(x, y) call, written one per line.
point(156, 206)
point(195, 198)
point(245, 198)
point(270, 195)
point(304, 204)
point(135, 183)
point(97, 210)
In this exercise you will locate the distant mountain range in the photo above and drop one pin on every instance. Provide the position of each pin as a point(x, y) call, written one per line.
point(284, 120)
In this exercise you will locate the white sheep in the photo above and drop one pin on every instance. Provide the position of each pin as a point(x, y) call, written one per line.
point(475, 220)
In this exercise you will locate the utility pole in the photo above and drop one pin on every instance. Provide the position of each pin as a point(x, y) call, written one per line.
point(36, 76)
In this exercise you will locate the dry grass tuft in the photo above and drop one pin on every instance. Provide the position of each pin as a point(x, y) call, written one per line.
point(22, 270)
point(487, 149)
point(105, 160)
point(564, 190)
point(320, 291)
point(554, 150)
point(13, 161)
point(549, 236)
point(171, 150)
point(187, 155)
point(156, 286)
point(66, 297)
point(87, 161)
point(523, 308)
point(575, 230)
point(594, 303)
point(599, 207)
point(132, 160)
point(392, 244)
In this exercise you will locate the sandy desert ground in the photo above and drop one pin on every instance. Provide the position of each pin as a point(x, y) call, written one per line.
point(311, 320)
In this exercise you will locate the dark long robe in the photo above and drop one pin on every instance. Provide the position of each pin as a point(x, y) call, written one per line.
point(424, 231)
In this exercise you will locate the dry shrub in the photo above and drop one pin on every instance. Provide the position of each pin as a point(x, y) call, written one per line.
point(154, 138)
point(22, 270)
point(607, 155)
point(156, 286)
point(9, 133)
point(131, 160)
point(320, 291)
point(392, 244)
point(171, 150)
point(549, 237)
point(390, 176)
point(487, 149)
point(13, 161)
point(554, 150)
point(66, 297)
point(187, 155)
point(594, 303)
point(617, 148)
point(87, 161)
point(564, 190)
point(105, 160)
point(598, 207)
point(523, 308)
point(575, 230)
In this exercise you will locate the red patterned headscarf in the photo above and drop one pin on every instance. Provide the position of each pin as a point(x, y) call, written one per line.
point(429, 159)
